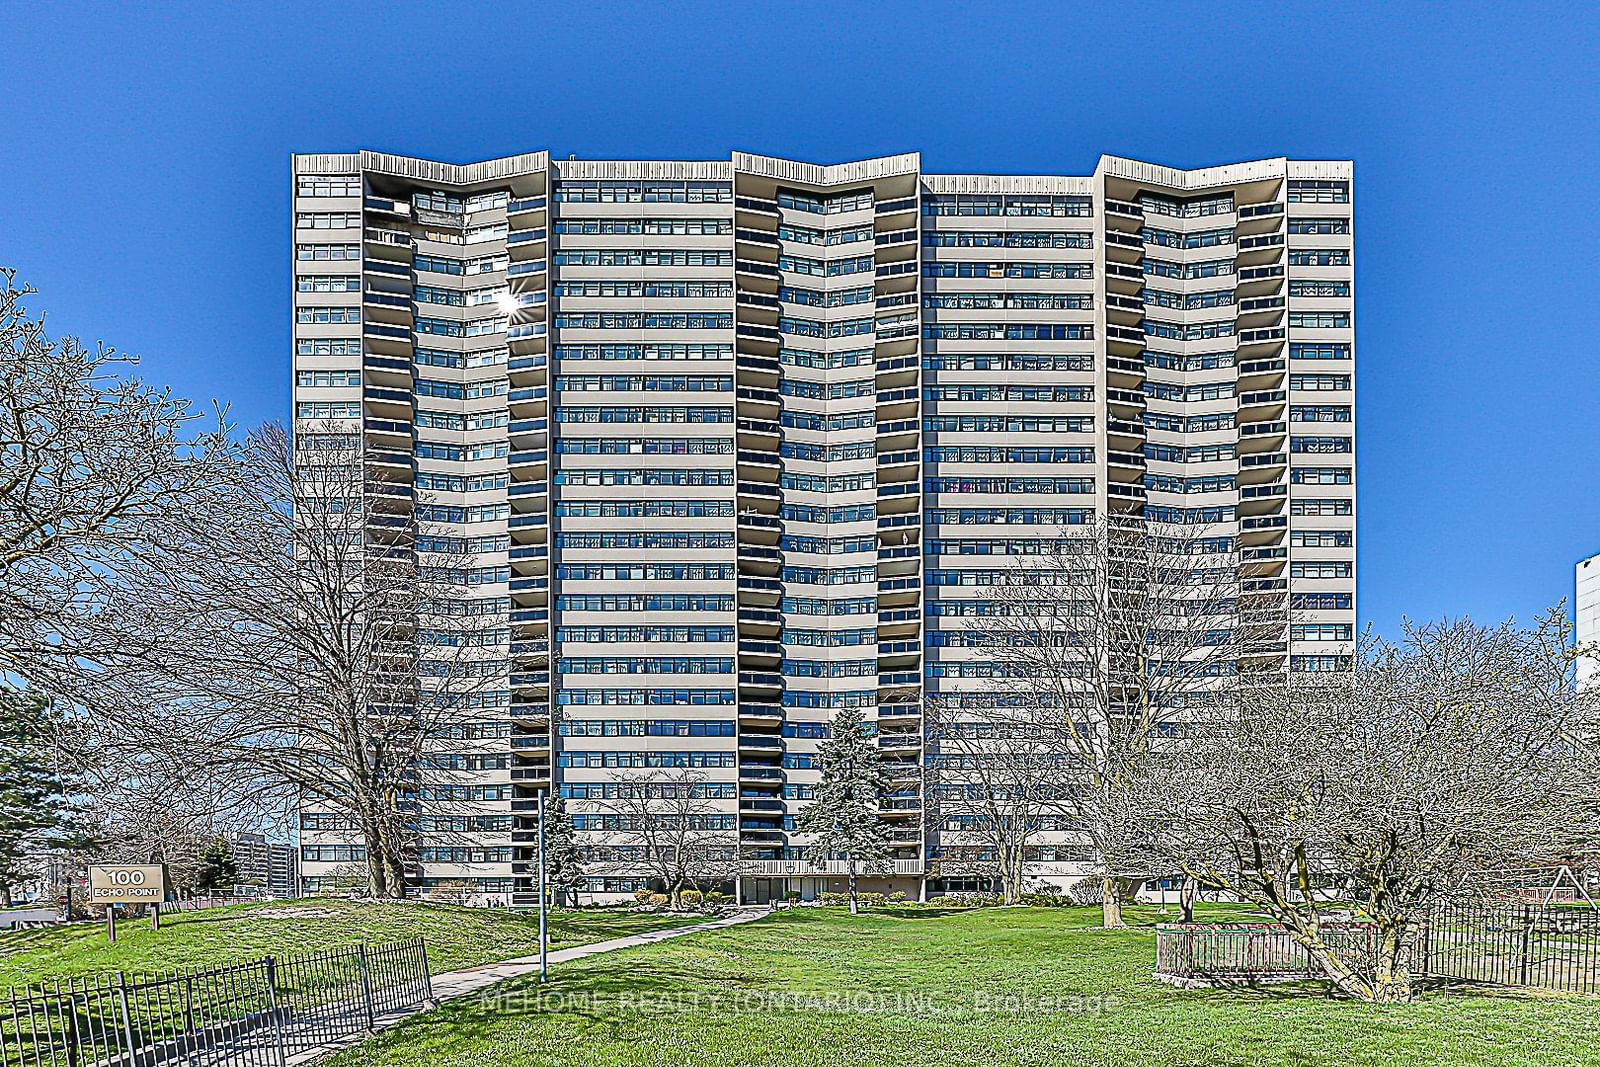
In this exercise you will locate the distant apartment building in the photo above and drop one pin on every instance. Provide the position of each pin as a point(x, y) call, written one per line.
point(272, 867)
point(1587, 604)
point(740, 443)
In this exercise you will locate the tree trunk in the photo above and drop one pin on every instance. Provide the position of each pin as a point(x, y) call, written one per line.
point(397, 876)
point(5, 895)
point(1391, 981)
point(855, 908)
point(1186, 895)
point(377, 863)
point(1011, 882)
point(1111, 904)
point(1392, 969)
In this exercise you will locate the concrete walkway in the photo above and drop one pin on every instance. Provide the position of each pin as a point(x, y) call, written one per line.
point(451, 985)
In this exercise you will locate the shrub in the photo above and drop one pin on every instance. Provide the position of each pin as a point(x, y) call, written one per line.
point(656, 900)
point(897, 897)
point(714, 899)
point(1042, 899)
point(966, 900)
point(1086, 891)
point(642, 896)
point(870, 900)
point(691, 898)
point(792, 896)
point(833, 898)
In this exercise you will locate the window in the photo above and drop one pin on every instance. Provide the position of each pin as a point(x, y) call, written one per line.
point(635, 320)
point(328, 185)
point(1322, 569)
point(333, 853)
point(825, 205)
point(1318, 191)
point(328, 315)
point(437, 201)
point(1319, 413)
point(328, 283)
point(1319, 288)
point(439, 264)
point(1320, 664)
point(1319, 257)
point(326, 220)
point(1009, 331)
point(695, 227)
point(1199, 207)
point(967, 269)
point(649, 192)
point(1320, 320)
point(635, 634)
point(1011, 204)
point(1320, 382)
point(1211, 268)
point(1190, 239)
point(326, 378)
point(327, 252)
point(1320, 476)
point(654, 351)
point(646, 727)
point(644, 602)
point(645, 257)
point(1319, 226)
point(1313, 445)
point(1319, 350)
point(327, 346)
point(1321, 538)
point(1007, 239)
point(646, 665)
point(1321, 601)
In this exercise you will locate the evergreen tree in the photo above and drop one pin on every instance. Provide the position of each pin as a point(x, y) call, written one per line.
point(563, 860)
point(843, 818)
point(35, 811)
point(217, 869)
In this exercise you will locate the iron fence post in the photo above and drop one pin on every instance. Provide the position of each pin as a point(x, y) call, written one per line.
point(127, 1017)
point(74, 1042)
point(366, 985)
point(427, 973)
point(16, 1018)
point(272, 1011)
point(1525, 935)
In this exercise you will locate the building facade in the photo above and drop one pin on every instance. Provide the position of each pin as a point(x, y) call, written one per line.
point(740, 443)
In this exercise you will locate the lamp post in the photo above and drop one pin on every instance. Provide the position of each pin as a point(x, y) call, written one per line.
point(544, 940)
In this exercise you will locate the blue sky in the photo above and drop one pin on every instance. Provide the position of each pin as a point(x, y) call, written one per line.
point(144, 186)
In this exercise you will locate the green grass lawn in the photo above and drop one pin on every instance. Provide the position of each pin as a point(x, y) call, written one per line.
point(1033, 986)
point(456, 937)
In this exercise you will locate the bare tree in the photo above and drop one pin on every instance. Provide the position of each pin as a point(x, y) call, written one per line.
point(1102, 642)
point(99, 474)
point(1000, 780)
point(326, 648)
point(669, 825)
point(1443, 756)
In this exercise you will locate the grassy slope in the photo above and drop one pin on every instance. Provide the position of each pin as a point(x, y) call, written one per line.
point(456, 937)
point(1046, 958)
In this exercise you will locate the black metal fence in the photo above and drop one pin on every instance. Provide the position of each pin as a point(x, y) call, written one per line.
point(1224, 953)
point(1552, 946)
point(254, 1014)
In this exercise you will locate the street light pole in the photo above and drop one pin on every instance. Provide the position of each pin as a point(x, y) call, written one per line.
point(544, 939)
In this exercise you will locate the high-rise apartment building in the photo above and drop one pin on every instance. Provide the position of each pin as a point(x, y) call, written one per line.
point(740, 443)
point(1587, 611)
